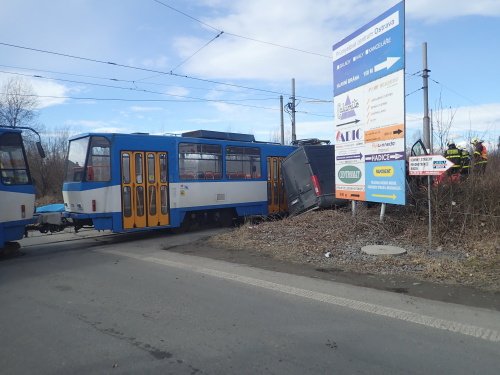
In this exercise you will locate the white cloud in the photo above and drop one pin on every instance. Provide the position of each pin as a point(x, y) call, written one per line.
point(204, 120)
point(49, 88)
point(290, 23)
point(109, 130)
point(49, 92)
point(177, 91)
point(137, 108)
point(432, 10)
point(160, 62)
point(480, 120)
point(283, 22)
point(93, 124)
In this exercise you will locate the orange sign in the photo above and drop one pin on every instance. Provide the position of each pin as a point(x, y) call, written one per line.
point(352, 195)
point(384, 134)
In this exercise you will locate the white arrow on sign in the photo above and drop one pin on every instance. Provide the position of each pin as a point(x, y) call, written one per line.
point(428, 165)
point(390, 61)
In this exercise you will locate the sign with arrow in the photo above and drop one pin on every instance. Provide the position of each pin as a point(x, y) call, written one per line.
point(350, 157)
point(389, 62)
point(368, 86)
point(373, 51)
point(384, 157)
point(429, 165)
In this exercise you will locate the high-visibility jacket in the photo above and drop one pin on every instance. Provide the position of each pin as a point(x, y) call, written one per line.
point(454, 155)
point(480, 154)
point(465, 156)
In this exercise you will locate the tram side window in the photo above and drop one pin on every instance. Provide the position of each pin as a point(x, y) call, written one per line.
point(98, 165)
point(242, 162)
point(13, 167)
point(199, 161)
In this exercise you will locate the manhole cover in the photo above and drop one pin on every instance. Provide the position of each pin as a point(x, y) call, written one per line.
point(383, 250)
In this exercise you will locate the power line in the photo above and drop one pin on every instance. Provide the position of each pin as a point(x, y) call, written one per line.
point(101, 99)
point(187, 15)
point(278, 45)
point(143, 69)
point(413, 92)
point(206, 44)
point(453, 91)
point(188, 58)
point(119, 79)
point(228, 101)
point(142, 100)
point(133, 67)
point(152, 101)
point(240, 36)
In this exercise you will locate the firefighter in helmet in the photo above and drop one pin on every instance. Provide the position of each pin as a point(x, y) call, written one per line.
point(454, 155)
point(465, 161)
point(480, 156)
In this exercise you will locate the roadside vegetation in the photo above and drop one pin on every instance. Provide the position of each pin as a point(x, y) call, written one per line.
point(465, 242)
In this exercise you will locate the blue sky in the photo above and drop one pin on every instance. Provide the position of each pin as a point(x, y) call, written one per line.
point(462, 53)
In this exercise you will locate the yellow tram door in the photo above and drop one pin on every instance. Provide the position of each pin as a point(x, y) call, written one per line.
point(144, 189)
point(157, 189)
point(275, 186)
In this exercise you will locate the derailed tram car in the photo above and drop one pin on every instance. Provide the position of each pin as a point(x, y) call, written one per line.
point(17, 193)
point(129, 182)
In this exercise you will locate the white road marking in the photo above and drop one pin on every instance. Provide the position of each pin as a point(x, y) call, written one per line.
point(407, 316)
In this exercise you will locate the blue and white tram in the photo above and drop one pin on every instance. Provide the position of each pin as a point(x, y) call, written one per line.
point(17, 193)
point(129, 182)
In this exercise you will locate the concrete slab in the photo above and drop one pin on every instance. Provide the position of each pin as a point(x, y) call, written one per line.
point(383, 250)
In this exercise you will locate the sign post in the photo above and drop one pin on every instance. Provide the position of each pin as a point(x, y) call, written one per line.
point(368, 80)
point(429, 165)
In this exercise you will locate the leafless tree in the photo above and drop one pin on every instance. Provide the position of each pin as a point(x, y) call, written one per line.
point(18, 108)
point(48, 173)
point(275, 136)
point(442, 122)
point(18, 104)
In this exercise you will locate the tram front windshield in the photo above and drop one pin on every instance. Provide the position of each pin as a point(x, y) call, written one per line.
point(76, 160)
point(89, 160)
point(13, 166)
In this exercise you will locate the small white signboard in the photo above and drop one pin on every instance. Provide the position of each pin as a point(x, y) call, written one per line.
point(428, 165)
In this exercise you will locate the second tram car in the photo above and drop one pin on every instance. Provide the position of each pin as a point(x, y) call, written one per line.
point(130, 182)
point(17, 193)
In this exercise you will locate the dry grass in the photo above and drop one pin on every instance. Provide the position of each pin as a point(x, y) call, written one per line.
point(466, 243)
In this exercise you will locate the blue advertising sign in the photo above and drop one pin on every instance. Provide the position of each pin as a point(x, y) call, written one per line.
point(374, 51)
point(383, 182)
point(369, 111)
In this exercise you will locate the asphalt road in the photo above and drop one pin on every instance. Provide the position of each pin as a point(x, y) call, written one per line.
point(106, 305)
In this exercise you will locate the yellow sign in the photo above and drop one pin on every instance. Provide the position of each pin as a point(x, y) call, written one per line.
point(383, 171)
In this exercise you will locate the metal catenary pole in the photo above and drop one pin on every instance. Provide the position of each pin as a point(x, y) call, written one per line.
point(427, 132)
point(294, 136)
point(282, 121)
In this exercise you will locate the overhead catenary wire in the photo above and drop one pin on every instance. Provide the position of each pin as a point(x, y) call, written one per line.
point(151, 100)
point(135, 89)
point(466, 98)
point(240, 36)
point(197, 51)
point(187, 15)
point(453, 91)
point(184, 98)
point(413, 92)
point(120, 79)
point(188, 58)
point(110, 63)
